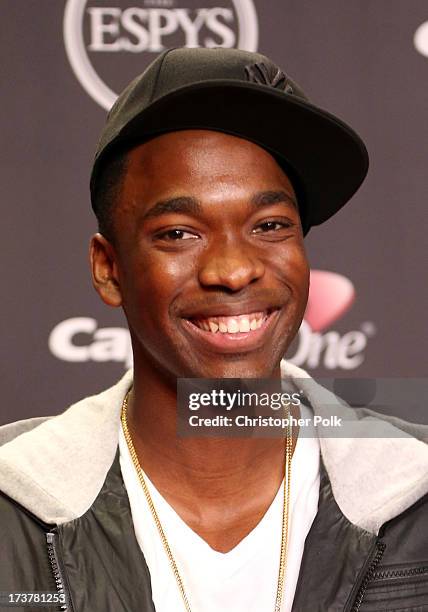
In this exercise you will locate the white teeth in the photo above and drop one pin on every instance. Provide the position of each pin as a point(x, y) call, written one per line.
point(213, 326)
point(232, 326)
point(244, 325)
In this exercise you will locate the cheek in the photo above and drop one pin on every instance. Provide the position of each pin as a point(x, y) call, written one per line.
point(292, 267)
point(151, 282)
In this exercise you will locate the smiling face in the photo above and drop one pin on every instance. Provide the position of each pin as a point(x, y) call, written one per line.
point(208, 259)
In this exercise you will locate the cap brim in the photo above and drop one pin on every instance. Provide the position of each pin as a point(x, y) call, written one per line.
point(328, 157)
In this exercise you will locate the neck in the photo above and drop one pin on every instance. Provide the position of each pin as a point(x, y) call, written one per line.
point(152, 417)
point(202, 478)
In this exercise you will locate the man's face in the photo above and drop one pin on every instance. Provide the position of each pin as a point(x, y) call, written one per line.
point(208, 241)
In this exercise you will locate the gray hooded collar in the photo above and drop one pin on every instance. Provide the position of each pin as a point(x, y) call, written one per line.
point(56, 466)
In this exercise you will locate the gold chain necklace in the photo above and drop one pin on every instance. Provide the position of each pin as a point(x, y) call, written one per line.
point(285, 510)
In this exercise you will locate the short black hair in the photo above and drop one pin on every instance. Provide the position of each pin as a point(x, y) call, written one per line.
point(108, 188)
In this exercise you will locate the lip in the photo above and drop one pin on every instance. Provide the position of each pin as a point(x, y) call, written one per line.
point(224, 310)
point(232, 343)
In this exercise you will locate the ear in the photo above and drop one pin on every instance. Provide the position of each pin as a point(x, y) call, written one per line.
point(105, 276)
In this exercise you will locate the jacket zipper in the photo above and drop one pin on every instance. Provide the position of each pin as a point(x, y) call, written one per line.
point(400, 573)
point(379, 550)
point(56, 570)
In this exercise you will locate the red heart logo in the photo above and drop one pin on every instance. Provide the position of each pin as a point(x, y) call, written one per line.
point(330, 296)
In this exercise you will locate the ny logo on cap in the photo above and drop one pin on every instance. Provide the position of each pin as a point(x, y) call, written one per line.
point(268, 75)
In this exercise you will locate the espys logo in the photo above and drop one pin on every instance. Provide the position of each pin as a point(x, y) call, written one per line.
point(109, 42)
point(79, 339)
point(420, 39)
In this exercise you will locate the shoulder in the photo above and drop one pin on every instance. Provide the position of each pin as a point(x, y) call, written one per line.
point(406, 536)
point(12, 430)
point(17, 521)
point(25, 560)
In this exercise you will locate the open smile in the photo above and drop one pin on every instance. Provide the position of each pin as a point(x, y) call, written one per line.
point(234, 333)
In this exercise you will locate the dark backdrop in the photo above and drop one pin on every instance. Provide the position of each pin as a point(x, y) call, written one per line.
point(358, 59)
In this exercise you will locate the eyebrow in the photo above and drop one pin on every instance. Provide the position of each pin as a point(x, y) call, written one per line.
point(183, 204)
point(266, 198)
point(191, 206)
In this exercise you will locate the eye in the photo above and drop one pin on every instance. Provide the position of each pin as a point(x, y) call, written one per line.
point(175, 235)
point(271, 226)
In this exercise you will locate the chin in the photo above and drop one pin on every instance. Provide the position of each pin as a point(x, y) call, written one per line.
point(235, 368)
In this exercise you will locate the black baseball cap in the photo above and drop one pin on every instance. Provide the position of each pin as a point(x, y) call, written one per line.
point(246, 95)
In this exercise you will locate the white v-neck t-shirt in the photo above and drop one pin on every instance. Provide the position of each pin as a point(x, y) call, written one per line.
point(243, 579)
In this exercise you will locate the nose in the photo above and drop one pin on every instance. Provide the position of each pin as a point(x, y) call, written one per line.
point(230, 265)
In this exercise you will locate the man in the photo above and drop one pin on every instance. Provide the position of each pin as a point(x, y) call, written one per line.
point(210, 170)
